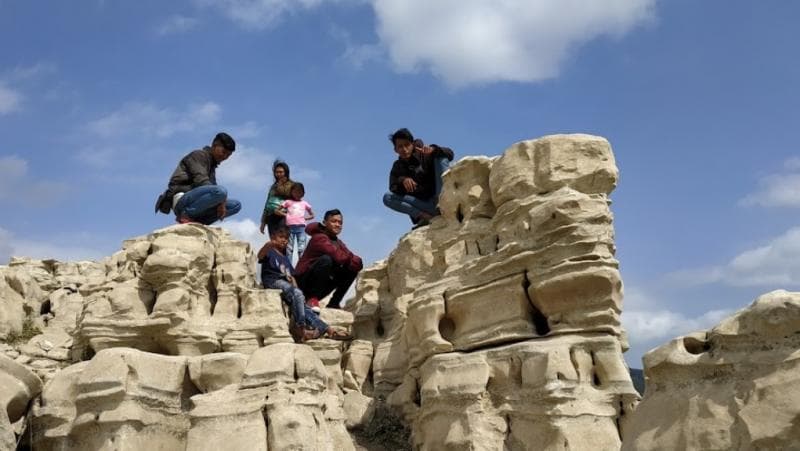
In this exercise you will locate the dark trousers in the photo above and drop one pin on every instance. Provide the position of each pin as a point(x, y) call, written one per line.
point(325, 276)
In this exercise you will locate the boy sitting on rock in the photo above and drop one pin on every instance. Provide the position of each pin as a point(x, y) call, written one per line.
point(277, 273)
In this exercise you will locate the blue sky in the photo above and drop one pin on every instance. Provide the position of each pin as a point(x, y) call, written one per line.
point(99, 100)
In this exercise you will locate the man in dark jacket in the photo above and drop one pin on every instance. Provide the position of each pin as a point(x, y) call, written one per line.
point(193, 193)
point(415, 180)
point(326, 264)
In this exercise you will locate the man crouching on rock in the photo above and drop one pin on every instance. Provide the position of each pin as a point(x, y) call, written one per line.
point(192, 193)
point(327, 265)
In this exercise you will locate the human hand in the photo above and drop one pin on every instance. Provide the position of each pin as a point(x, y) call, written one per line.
point(291, 280)
point(222, 210)
point(280, 212)
point(409, 184)
point(425, 150)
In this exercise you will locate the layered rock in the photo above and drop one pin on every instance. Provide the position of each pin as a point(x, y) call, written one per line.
point(18, 386)
point(498, 325)
point(731, 387)
point(276, 398)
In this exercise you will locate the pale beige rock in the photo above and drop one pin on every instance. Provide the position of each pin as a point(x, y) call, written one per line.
point(18, 386)
point(732, 387)
point(277, 398)
point(12, 312)
point(518, 275)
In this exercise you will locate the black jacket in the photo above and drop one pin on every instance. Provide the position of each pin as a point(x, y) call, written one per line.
point(420, 168)
point(198, 168)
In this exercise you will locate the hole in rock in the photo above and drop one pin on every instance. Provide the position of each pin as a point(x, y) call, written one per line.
point(446, 328)
point(695, 346)
point(380, 330)
point(45, 308)
point(538, 319)
point(459, 214)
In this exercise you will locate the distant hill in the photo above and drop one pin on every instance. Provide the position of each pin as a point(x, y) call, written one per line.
point(637, 376)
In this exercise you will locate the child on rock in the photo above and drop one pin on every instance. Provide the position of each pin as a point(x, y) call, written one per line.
point(298, 212)
point(277, 273)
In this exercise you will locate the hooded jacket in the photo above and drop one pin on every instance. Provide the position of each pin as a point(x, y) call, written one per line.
point(321, 243)
point(419, 168)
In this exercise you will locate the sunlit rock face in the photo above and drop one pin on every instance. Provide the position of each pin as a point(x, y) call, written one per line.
point(735, 386)
point(18, 386)
point(275, 398)
point(497, 326)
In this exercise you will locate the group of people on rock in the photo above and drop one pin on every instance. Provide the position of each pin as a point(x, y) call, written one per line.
point(325, 265)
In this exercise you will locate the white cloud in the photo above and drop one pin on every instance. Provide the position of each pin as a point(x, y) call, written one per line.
point(40, 69)
point(247, 168)
point(251, 168)
point(778, 190)
point(16, 186)
point(356, 55)
point(10, 99)
point(474, 41)
point(773, 265)
point(11, 245)
point(176, 24)
point(245, 230)
point(259, 14)
point(646, 320)
point(147, 120)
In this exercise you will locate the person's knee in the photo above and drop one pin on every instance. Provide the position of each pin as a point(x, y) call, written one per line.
point(325, 261)
point(233, 206)
point(388, 199)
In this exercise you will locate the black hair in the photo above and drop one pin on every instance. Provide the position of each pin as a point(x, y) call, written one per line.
point(403, 133)
point(281, 229)
point(298, 185)
point(280, 164)
point(223, 139)
point(330, 213)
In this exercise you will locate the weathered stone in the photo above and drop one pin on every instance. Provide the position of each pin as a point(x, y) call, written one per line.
point(732, 387)
point(18, 386)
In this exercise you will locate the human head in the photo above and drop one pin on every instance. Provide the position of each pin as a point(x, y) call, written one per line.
point(298, 191)
point(280, 170)
point(279, 236)
point(403, 142)
point(222, 147)
point(333, 221)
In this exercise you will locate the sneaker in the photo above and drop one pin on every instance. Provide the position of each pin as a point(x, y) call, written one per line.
point(183, 219)
point(313, 303)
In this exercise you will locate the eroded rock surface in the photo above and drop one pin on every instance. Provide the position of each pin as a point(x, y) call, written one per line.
point(734, 386)
point(497, 327)
point(18, 386)
point(275, 398)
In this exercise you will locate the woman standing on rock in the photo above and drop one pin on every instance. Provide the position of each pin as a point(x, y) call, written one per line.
point(274, 215)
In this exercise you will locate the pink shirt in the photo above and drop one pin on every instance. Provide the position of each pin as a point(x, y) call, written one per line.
point(296, 211)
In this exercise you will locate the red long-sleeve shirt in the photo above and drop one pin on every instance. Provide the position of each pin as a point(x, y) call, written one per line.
point(321, 243)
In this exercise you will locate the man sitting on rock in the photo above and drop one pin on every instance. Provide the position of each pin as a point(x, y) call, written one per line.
point(193, 193)
point(415, 180)
point(326, 264)
point(277, 273)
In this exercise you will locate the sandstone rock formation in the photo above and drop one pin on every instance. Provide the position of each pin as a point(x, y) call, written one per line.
point(18, 386)
point(497, 327)
point(732, 387)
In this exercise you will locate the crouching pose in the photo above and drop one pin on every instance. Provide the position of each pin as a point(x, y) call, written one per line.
point(277, 273)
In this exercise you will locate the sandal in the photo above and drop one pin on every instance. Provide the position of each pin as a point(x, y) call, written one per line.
point(340, 335)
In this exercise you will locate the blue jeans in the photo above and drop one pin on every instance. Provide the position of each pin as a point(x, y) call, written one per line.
point(301, 313)
point(297, 238)
point(200, 204)
point(414, 206)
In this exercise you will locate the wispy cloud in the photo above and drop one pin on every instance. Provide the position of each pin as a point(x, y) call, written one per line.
point(355, 54)
point(259, 14)
point(10, 99)
point(176, 24)
point(647, 321)
point(150, 120)
point(245, 230)
point(16, 246)
point(778, 190)
point(18, 187)
point(773, 265)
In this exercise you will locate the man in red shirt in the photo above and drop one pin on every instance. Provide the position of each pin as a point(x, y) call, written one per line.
point(326, 264)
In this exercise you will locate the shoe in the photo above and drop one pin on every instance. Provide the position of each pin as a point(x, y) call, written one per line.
point(184, 220)
point(421, 223)
point(339, 335)
point(313, 303)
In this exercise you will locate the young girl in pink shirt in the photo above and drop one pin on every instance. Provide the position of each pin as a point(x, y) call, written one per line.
point(298, 212)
